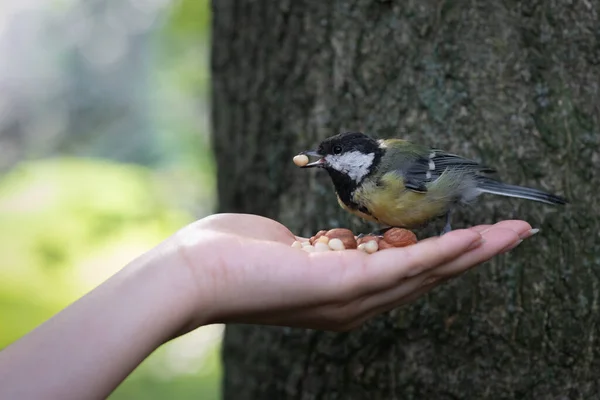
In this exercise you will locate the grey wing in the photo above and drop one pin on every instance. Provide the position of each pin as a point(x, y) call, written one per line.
point(423, 170)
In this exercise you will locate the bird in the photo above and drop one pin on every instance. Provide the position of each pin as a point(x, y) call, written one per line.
point(398, 183)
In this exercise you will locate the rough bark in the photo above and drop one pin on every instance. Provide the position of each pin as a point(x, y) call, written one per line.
point(512, 83)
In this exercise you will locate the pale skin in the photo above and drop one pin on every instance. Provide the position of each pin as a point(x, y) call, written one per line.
point(229, 268)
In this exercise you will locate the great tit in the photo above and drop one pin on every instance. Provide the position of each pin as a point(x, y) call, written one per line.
point(397, 183)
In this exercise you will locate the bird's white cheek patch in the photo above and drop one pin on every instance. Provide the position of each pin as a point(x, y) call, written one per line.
point(354, 164)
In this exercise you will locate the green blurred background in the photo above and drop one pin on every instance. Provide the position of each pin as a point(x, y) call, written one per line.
point(104, 152)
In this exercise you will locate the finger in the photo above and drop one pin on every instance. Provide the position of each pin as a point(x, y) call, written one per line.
point(522, 228)
point(447, 271)
point(408, 290)
point(480, 228)
point(386, 269)
point(414, 259)
point(496, 241)
point(359, 275)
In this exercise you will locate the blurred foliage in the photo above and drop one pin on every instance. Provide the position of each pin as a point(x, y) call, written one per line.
point(189, 19)
point(58, 217)
point(69, 221)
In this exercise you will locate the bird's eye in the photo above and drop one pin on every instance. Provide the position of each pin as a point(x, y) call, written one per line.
point(337, 149)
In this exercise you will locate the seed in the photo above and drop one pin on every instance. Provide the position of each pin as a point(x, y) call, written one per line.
point(345, 235)
point(317, 236)
point(320, 246)
point(336, 244)
point(308, 249)
point(368, 238)
point(371, 246)
point(323, 239)
point(301, 160)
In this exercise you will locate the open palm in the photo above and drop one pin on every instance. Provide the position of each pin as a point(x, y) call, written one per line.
point(244, 267)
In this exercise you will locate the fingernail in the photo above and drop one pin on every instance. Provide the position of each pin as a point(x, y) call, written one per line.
point(512, 246)
point(476, 244)
point(530, 233)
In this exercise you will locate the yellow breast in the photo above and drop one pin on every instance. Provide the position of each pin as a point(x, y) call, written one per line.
point(391, 204)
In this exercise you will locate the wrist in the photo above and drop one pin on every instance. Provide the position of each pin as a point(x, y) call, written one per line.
point(178, 289)
point(164, 294)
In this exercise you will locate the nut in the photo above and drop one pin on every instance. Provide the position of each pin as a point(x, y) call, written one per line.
point(385, 245)
point(323, 239)
point(320, 246)
point(297, 245)
point(336, 244)
point(399, 237)
point(368, 238)
point(371, 246)
point(308, 249)
point(345, 235)
point(300, 160)
point(338, 232)
point(317, 236)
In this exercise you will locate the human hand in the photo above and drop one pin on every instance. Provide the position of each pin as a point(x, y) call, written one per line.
point(244, 270)
point(229, 268)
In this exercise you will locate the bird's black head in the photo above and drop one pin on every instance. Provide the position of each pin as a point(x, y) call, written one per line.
point(348, 157)
point(350, 153)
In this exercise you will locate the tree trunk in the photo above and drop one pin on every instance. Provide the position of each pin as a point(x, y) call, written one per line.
point(512, 83)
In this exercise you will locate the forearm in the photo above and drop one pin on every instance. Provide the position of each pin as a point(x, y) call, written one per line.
point(228, 268)
point(90, 347)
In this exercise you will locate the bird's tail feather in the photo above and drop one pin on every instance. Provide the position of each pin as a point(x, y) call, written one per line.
point(487, 185)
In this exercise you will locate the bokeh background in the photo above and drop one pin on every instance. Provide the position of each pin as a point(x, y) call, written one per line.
point(104, 152)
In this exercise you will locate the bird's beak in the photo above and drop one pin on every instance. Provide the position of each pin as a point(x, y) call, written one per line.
point(319, 163)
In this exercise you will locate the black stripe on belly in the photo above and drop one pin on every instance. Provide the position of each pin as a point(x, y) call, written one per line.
point(364, 210)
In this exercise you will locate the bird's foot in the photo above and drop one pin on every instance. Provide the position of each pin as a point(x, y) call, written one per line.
point(448, 226)
point(378, 232)
point(381, 232)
